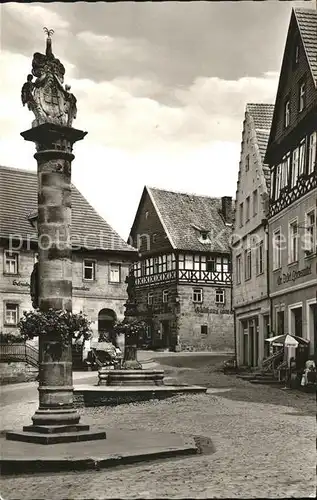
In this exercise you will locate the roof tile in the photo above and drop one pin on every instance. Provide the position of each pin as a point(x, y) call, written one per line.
point(183, 214)
point(262, 115)
point(307, 23)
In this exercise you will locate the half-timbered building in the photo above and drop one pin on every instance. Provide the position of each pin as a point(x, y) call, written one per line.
point(249, 242)
point(291, 155)
point(183, 275)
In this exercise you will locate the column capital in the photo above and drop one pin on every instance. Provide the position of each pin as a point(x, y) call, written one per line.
point(50, 132)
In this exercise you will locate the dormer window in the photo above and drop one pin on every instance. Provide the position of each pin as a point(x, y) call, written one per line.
point(204, 235)
point(33, 220)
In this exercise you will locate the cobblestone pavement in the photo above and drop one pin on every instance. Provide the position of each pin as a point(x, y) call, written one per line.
point(263, 450)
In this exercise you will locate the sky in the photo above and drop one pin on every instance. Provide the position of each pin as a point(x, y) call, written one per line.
point(161, 89)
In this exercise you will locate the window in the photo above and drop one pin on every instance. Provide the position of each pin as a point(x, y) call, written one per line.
point(312, 152)
point(302, 157)
point(197, 295)
point(295, 167)
point(154, 239)
point(11, 314)
point(287, 111)
point(293, 242)
point(302, 96)
point(285, 166)
point(255, 202)
point(259, 258)
point(204, 236)
point(241, 214)
point(156, 265)
point(146, 214)
point(247, 264)
point(278, 179)
point(189, 262)
point(115, 273)
point(165, 296)
point(247, 163)
point(196, 262)
point(247, 215)
point(310, 236)
point(272, 186)
point(11, 263)
point(168, 262)
point(89, 270)
point(220, 296)
point(204, 329)
point(277, 249)
point(211, 264)
point(150, 298)
point(203, 265)
point(225, 264)
point(143, 268)
point(238, 269)
point(181, 261)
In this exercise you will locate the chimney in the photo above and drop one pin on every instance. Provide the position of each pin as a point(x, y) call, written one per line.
point(226, 208)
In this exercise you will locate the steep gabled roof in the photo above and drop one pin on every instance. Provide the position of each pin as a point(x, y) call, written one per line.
point(260, 119)
point(307, 25)
point(262, 114)
point(183, 214)
point(262, 139)
point(306, 22)
point(18, 203)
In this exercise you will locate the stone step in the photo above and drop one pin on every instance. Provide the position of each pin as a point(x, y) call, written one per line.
point(63, 437)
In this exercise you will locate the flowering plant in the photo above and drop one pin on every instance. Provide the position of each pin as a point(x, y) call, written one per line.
point(131, 329)
point(61, 324)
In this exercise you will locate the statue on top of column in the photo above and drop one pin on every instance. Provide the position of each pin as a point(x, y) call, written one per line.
point(46, 97)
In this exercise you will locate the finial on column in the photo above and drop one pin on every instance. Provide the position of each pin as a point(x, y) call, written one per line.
point(49, 33)
point(47, 97)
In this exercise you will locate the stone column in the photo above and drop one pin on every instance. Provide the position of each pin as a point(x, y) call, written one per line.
point(56, 420)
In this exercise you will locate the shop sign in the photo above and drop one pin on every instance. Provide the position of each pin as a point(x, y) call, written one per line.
point(84, 288)
point(293, 275)
point(21, 283)
point(209, 310)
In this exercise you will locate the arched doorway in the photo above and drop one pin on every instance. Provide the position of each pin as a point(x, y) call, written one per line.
point(106, 321)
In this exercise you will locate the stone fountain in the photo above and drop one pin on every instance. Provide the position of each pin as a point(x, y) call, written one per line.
point(131, 382)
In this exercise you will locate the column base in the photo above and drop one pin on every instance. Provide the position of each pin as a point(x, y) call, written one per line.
point(55, 416)
point(57, 436)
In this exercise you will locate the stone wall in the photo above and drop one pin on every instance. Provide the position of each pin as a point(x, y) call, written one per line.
point(187, 318)
point(192, 317)
point(88, 296)
point(11, 373)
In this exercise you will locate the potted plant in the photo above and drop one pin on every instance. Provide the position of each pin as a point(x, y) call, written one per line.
point(57, 328)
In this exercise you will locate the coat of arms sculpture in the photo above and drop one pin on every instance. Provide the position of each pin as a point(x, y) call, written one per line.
point(46, 97)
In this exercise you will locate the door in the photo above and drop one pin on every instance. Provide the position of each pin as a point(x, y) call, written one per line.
point(106, 321)
point(251, 346)
point(245, 342)
point(266, 328)
point(256, 342)
point(165, 326)
point(298, 322)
